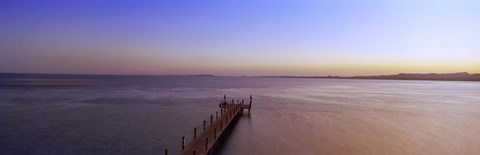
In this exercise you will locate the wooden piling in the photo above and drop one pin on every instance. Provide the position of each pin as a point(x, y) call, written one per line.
point(206, 143)
point(204, 124)
point(194, 133)
point(183, 142)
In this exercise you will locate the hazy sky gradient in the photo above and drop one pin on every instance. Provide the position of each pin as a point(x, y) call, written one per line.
point(243, 37)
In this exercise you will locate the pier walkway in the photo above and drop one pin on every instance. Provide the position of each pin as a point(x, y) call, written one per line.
point(207, 140)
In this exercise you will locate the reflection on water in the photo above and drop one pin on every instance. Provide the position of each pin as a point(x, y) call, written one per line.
point(146, 114)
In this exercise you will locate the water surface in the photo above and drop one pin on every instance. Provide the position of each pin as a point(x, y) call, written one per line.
point(84, 114)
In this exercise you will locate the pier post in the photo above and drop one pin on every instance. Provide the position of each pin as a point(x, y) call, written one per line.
point(221, 125)
point(183, 142)
point(215, 133)
point(166, 151)
point(206, 144)
point(216, 115)
point(204, 123)
point(221, 111)
point(194, 153)
point(194, 133)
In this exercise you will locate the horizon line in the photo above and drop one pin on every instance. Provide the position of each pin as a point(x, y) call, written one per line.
point(215, 75)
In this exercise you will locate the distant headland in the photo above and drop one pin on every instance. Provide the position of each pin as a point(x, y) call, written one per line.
point(461, 76)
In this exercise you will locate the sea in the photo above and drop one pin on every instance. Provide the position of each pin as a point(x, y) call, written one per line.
point(142, 114)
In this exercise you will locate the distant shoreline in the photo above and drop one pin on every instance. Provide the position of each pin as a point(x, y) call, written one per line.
point(460, 76)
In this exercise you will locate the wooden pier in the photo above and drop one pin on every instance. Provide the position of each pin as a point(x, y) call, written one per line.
point(207, 140)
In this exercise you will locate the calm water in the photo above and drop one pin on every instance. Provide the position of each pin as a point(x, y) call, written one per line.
point(146, 114)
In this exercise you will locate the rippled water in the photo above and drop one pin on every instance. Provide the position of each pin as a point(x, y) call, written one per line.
point(146, 114)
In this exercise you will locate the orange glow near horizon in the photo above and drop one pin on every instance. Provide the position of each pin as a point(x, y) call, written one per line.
point(166, 64)
point(294, 38)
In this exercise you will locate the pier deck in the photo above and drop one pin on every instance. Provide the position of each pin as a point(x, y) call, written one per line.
point(214, 131)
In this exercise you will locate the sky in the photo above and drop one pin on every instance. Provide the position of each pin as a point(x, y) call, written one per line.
point(240, 37)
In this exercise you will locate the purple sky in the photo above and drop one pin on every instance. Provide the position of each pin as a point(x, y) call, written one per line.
point(247, 37)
